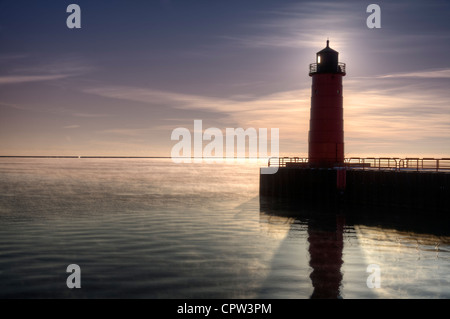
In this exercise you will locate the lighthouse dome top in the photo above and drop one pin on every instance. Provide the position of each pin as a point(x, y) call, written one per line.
point(328, 49)
point(327, 61)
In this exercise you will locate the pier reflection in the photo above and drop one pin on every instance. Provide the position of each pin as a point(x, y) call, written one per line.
point(402, 242)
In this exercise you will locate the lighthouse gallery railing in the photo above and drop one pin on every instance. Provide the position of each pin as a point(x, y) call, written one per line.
point(340, 68)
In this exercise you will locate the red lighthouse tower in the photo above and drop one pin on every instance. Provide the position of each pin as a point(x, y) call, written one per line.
point(326, 126)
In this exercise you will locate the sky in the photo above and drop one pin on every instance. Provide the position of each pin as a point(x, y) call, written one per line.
point(137, 70)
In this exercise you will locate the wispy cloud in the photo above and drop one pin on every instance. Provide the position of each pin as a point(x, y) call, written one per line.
point(15, 79)
point(401, 114)
point(88, 115)
point(71, 126)
point(55, 110)
point(273, 110)
point(404, 117)
point(430, 74)
point(56, 70)
point(133, 132)
point(300, 26)
point(288, 111)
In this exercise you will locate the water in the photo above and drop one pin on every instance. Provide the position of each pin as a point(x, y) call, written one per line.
point(149, 228)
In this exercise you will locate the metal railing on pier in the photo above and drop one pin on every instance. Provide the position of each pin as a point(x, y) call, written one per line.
point(374, 163)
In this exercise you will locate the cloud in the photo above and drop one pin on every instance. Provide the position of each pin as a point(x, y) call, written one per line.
point(380, 113)
point(87, 115)
point(397, 116)
point(32, 72)
point(135, 132)
point(430, 74)
point(257, 111)
point(15, 79)
point(301, 26)
point(71, 126)
point(54, 110)
point(288, 111)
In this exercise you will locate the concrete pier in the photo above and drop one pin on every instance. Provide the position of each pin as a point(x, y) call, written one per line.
point(416, 189)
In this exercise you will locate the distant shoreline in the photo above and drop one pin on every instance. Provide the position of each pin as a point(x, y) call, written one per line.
point(81, 156)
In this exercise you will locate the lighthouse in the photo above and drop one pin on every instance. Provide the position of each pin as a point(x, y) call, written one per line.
point(324, 178)
point(326, 126)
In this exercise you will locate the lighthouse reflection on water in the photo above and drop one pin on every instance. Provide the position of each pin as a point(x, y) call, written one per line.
point(325, 237)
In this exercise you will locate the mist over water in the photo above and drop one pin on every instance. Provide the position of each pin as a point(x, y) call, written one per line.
point(149, 228)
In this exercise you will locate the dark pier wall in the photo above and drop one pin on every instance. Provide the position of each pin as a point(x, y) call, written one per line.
point(427, 190)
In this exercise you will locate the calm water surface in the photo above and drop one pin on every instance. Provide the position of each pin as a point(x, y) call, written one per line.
point(149, 228)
